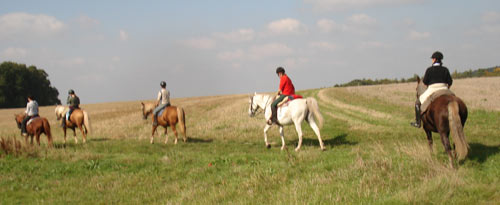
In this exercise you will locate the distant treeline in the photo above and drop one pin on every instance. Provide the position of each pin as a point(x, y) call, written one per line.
point(18, 81)
point(481, 72)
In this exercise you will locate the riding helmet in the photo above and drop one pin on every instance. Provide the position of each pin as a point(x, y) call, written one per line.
point(163, 84)
point(437, 55)
point(280, 70)
point(71, 91)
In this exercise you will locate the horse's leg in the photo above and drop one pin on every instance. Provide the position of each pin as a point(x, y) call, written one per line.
point(64, 130)
point(74, 135)
point(429, 139)
point(282, 134)
point(446, 143)
point(315, 128)
point(83, 133)
point(175, 132)
point(37, 135)
point(166, 135)
point(266, 128)
point(298, 128)
point(153, 134)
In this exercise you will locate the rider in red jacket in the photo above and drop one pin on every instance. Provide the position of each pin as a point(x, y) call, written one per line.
point(286, 89)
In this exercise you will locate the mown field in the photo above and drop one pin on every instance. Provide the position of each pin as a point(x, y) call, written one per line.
point(372, 156)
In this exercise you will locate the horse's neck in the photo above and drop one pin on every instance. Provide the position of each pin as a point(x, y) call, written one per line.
point(264, 101)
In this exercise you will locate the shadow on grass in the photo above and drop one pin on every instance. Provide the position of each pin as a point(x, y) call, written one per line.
point(198, 140)
point(480, 153)
point(338, 140)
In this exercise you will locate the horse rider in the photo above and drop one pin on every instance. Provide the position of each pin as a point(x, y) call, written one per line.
point(162, 101)
point(286, 89)
point(73, 103)
point(31, 112)
point(437, 77)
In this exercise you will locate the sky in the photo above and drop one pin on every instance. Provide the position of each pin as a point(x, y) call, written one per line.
point(121, 50)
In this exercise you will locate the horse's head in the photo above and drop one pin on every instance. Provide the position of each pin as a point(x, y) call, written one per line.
point(19, 119)
point(59, 111)
point(146, 109)
point(421, 87)
point(254, 106)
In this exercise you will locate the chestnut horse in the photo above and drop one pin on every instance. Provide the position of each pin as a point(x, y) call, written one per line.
point(446, 114)
point(37, 126)
point(79, 118)
point(147, 109)
point(170, 117)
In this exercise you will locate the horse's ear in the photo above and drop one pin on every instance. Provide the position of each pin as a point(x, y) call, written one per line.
point(418, 79)
point(255, 93)
point(142, 103)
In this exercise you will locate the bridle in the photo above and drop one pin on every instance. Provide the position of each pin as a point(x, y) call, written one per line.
point(251, 106)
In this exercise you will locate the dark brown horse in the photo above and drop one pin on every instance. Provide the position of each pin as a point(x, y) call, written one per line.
point(446, 114)
point(170, 117)
point(37, 126)
point(79, 118)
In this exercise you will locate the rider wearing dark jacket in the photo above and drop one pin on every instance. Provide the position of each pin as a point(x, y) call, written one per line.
point(73, 103)
point(436, 77)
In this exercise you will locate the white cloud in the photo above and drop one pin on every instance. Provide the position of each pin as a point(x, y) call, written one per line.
point(323, 45)
point(328, 5)
point(200, 43)
point(362, 19)
point(123, 35)
point(14, 53)
point(231, 55)
point(269, 50)
point(238, 35)
point(286, 26)
point(15, 24)
point(491, 17)
point(327, 25)
point(415, 35)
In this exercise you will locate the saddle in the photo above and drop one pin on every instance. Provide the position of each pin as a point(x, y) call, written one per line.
point(287, 99)
point(432, 97)
point(32, 118)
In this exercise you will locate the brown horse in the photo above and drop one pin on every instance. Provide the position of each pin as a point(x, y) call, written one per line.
point(79, 118)
point(37, 126)
point(446, 114)
point(170, 117)
point(147, 109)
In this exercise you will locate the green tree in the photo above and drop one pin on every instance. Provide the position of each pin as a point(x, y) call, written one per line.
point(17, 81)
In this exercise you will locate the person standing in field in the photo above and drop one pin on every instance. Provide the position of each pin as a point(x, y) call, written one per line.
point(162, 101)
point(31, 111)
point(437, 77)
point(73, 103)
point(286, 89)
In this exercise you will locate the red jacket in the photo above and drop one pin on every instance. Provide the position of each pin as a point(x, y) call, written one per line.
point(286, 85)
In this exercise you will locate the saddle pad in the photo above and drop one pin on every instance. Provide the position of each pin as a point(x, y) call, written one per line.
point(31, 120)
point(161, 111)
point(434, 96)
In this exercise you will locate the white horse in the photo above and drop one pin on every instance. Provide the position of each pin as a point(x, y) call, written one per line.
point(295, 112)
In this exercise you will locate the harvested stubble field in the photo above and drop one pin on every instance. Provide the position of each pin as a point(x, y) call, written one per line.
point(372, 156)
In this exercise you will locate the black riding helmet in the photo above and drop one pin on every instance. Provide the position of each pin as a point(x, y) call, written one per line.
point(71, 91)
point(280, 70)
point(163, 84)
point(437, 55)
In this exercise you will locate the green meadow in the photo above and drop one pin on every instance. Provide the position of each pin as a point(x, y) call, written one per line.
point(373, 155)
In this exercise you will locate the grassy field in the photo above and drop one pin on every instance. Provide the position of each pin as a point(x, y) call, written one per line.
point(372, 156)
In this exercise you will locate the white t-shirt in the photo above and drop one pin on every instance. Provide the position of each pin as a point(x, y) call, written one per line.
point(164, 96)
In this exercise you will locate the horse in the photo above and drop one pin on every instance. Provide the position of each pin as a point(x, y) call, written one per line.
point(79, 118)
point(170, 117)
point(147, 109)
point(447, 113)
point(37, 126)
point(296, 112)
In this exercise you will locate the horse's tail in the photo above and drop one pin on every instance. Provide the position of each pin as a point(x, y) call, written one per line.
point(312, 106)
point(46, 129)
point(457, 131)
point(181, 116)
point(86, 122)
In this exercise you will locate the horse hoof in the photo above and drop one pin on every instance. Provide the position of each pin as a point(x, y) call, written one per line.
point(297, 150)
point(268, 146)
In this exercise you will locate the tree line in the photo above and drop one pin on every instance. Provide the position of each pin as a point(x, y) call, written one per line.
point(17, 81)
point(481, 72)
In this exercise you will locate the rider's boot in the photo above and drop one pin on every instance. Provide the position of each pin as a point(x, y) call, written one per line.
point(418, 116)
point(155, 120)
point(23, 130)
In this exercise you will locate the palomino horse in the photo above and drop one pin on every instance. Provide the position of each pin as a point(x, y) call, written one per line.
point(170, 117)
point(296, 112)
point(147, 109)
point(37, 126)
point(79, 118)
point(446, 113)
